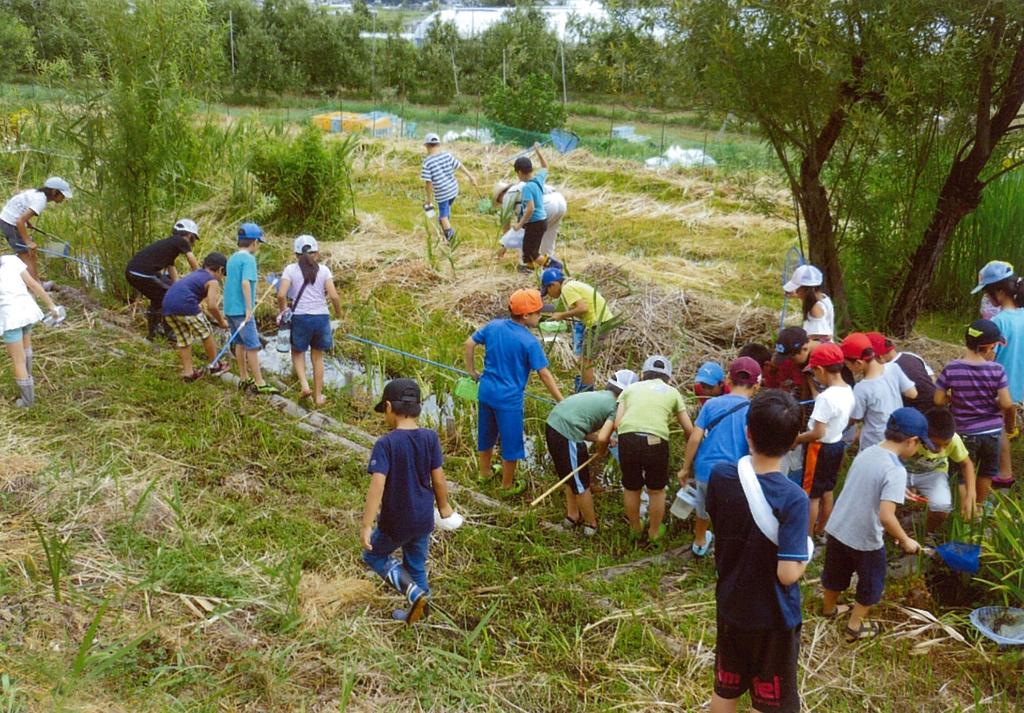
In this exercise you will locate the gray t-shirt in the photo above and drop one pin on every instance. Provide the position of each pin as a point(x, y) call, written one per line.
point(876, 399)
point(875, 475)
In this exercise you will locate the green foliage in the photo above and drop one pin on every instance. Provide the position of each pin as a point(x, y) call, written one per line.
point(530, 104)
point(1002, 547)
point(309, 178)
point(16, 40)
point(55, 550)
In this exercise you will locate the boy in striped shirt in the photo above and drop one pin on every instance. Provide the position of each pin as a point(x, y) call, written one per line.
point(438, 173)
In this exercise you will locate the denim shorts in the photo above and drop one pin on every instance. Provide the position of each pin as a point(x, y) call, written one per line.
point(249, 336)
point(311, 330)
point(983, 450)
point(13, 336)
point(444, 208)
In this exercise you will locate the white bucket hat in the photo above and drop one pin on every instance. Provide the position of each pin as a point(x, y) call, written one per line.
point(804, 276)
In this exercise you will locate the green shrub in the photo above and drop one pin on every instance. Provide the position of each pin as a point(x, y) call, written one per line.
point(530, 105)
point(309, 180)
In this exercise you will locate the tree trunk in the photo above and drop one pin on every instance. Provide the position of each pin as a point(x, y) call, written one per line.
point(821, 243)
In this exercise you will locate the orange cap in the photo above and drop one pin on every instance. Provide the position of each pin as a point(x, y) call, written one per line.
point(523, 302)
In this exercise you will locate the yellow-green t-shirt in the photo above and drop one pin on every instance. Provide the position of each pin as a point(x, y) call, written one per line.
point(926, 461)
point(597, 309)
point(650, 406)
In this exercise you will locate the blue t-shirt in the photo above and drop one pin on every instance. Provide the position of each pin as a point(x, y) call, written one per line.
point(406, 457)
point(510, 354)
point(184, 296)
point(748, 593)
point(533, 190)
point(727, 441)
point(241, 267)
point(1011, 356)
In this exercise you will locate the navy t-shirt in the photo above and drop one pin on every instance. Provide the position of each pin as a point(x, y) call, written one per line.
point(184, 296)
point(511, 352)
point(406, 457)
point(749, 594)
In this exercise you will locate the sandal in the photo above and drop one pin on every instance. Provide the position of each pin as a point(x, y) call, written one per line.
point(512, 491)
point(662, 529)
point(194, 376)
point(699, 551)
point(837, 612)
point(570, 524)
point(589, 530)
point(219, 368)
point(308, 394)
point(246, 384)
point(867, 630)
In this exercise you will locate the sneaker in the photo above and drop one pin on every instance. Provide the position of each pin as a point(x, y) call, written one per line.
point(267, 389)
point(699, 551)
point(449, 235)
point(219, 368)
point(48, 285)
point(589, 530)
point(525, 269)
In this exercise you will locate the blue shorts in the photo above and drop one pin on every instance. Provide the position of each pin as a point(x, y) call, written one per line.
point(444, 209)
point(248, 336)
point(506, 423)
point(311, 330)
point(842, 561)
point(13, 336)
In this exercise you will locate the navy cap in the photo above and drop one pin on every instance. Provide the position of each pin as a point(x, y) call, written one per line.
point(910, 422)
point(982, 332)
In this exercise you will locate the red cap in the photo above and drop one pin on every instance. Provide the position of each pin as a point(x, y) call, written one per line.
point(523, 302)
point(880, 343)
point(744, 371)
point(857, 346)
point(826, 354)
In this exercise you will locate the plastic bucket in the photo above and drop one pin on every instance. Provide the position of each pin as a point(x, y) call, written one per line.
point(685, 502)
point(1003, 625)
point(552, 326)
point(466, 389)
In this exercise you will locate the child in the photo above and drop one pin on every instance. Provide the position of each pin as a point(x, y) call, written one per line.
point(589, 312)
point(507, 199)
point(532, 216)
point(645, 409)
point(875, 485)
point(758, 352)
point(918, 371)
point(510, 354)
point(786, 372)
point(145, 270)
point(438, 173)
point(757, 595)
point(240, 306)
point(406, 480)
point(1006, 290)
point(928, 470)
point(879, 392)
point(719, 436)
point(824, 434)
point(709, 382)
point(17, 214)
point(573, 421)
point(18, 312)
point(185, 318)
point(977, 390)
point(307, 286)
point(819, 314)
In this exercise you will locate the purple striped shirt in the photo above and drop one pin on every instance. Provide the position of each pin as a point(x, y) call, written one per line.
point(973, 391)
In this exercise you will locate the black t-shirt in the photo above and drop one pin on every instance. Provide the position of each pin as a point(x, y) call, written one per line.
point(917, 371)
point(159, 256)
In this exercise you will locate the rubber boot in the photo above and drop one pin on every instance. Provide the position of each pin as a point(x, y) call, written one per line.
point(154, 324)
point(398, 578)
point(27, 387)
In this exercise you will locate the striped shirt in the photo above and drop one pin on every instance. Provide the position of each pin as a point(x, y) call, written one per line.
point(974, 389)
point(439, 169)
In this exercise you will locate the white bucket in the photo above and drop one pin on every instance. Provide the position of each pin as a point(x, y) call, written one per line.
point(685, 502)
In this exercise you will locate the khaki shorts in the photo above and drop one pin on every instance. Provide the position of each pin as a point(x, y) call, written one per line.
point(188, 329)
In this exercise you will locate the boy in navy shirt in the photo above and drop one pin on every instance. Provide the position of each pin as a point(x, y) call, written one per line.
point(184, 316)
point(511, 352)
point(405, 481)
point(757, 595)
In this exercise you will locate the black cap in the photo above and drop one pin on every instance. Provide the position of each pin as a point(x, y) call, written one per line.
point(523, 165)
point(982, 332)
point(789, 342)
point(405, 391)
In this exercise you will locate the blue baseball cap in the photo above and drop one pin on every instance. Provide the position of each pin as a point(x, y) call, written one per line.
point(550, 275)
point(710, 373)
point(910, 422)
point(250, 231)
point(993, 272)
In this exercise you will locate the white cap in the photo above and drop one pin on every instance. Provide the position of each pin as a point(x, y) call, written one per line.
point(186, 225)
point(306, 244)
point(804, 276)
point(58, 184)
point(623, 378)
point(431, 139)
point(659, 365)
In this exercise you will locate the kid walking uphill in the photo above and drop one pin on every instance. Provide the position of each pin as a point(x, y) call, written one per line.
point(406, 480)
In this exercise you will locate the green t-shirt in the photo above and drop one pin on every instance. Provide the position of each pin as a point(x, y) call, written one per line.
point(597, 308)
point(650, 406)
point(925, 461)
point(576, 416)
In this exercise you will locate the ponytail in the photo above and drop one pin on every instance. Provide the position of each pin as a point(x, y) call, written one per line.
point(1012, 286)
point(310, 268)
point(809, 299)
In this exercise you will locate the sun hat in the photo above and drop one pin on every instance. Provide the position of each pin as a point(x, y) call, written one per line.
point(710, 373)
point(993, 272)
point(549, 277)
point(500, 190)
point(790, 341)
point(804, 276)
point(826, 354)
point(659, 365)
point(623, 378)
point(910, 422)
point(744, 371)
point(58, 184)
point(186, 225)
point(405, 391)
point(880, 343)
point(857, 346)
point(431, 139)
point(982, 332)
point(523, 302)
point(306, 244)
point(250, 231)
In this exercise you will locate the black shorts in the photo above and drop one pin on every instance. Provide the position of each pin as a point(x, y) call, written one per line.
point(983, 450)
point(532, 235)
point(644, 461)
point(762, 661)
point(842, 561)
point(13, 239)
point(153, 288)
point(567, 456)
point(827, 462)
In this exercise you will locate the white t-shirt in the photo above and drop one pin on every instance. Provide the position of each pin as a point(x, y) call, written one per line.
point(314, 297)
point(17, 308)
point(833, 408)
point(876, 399)
point(825, 324)
point(32, 199)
